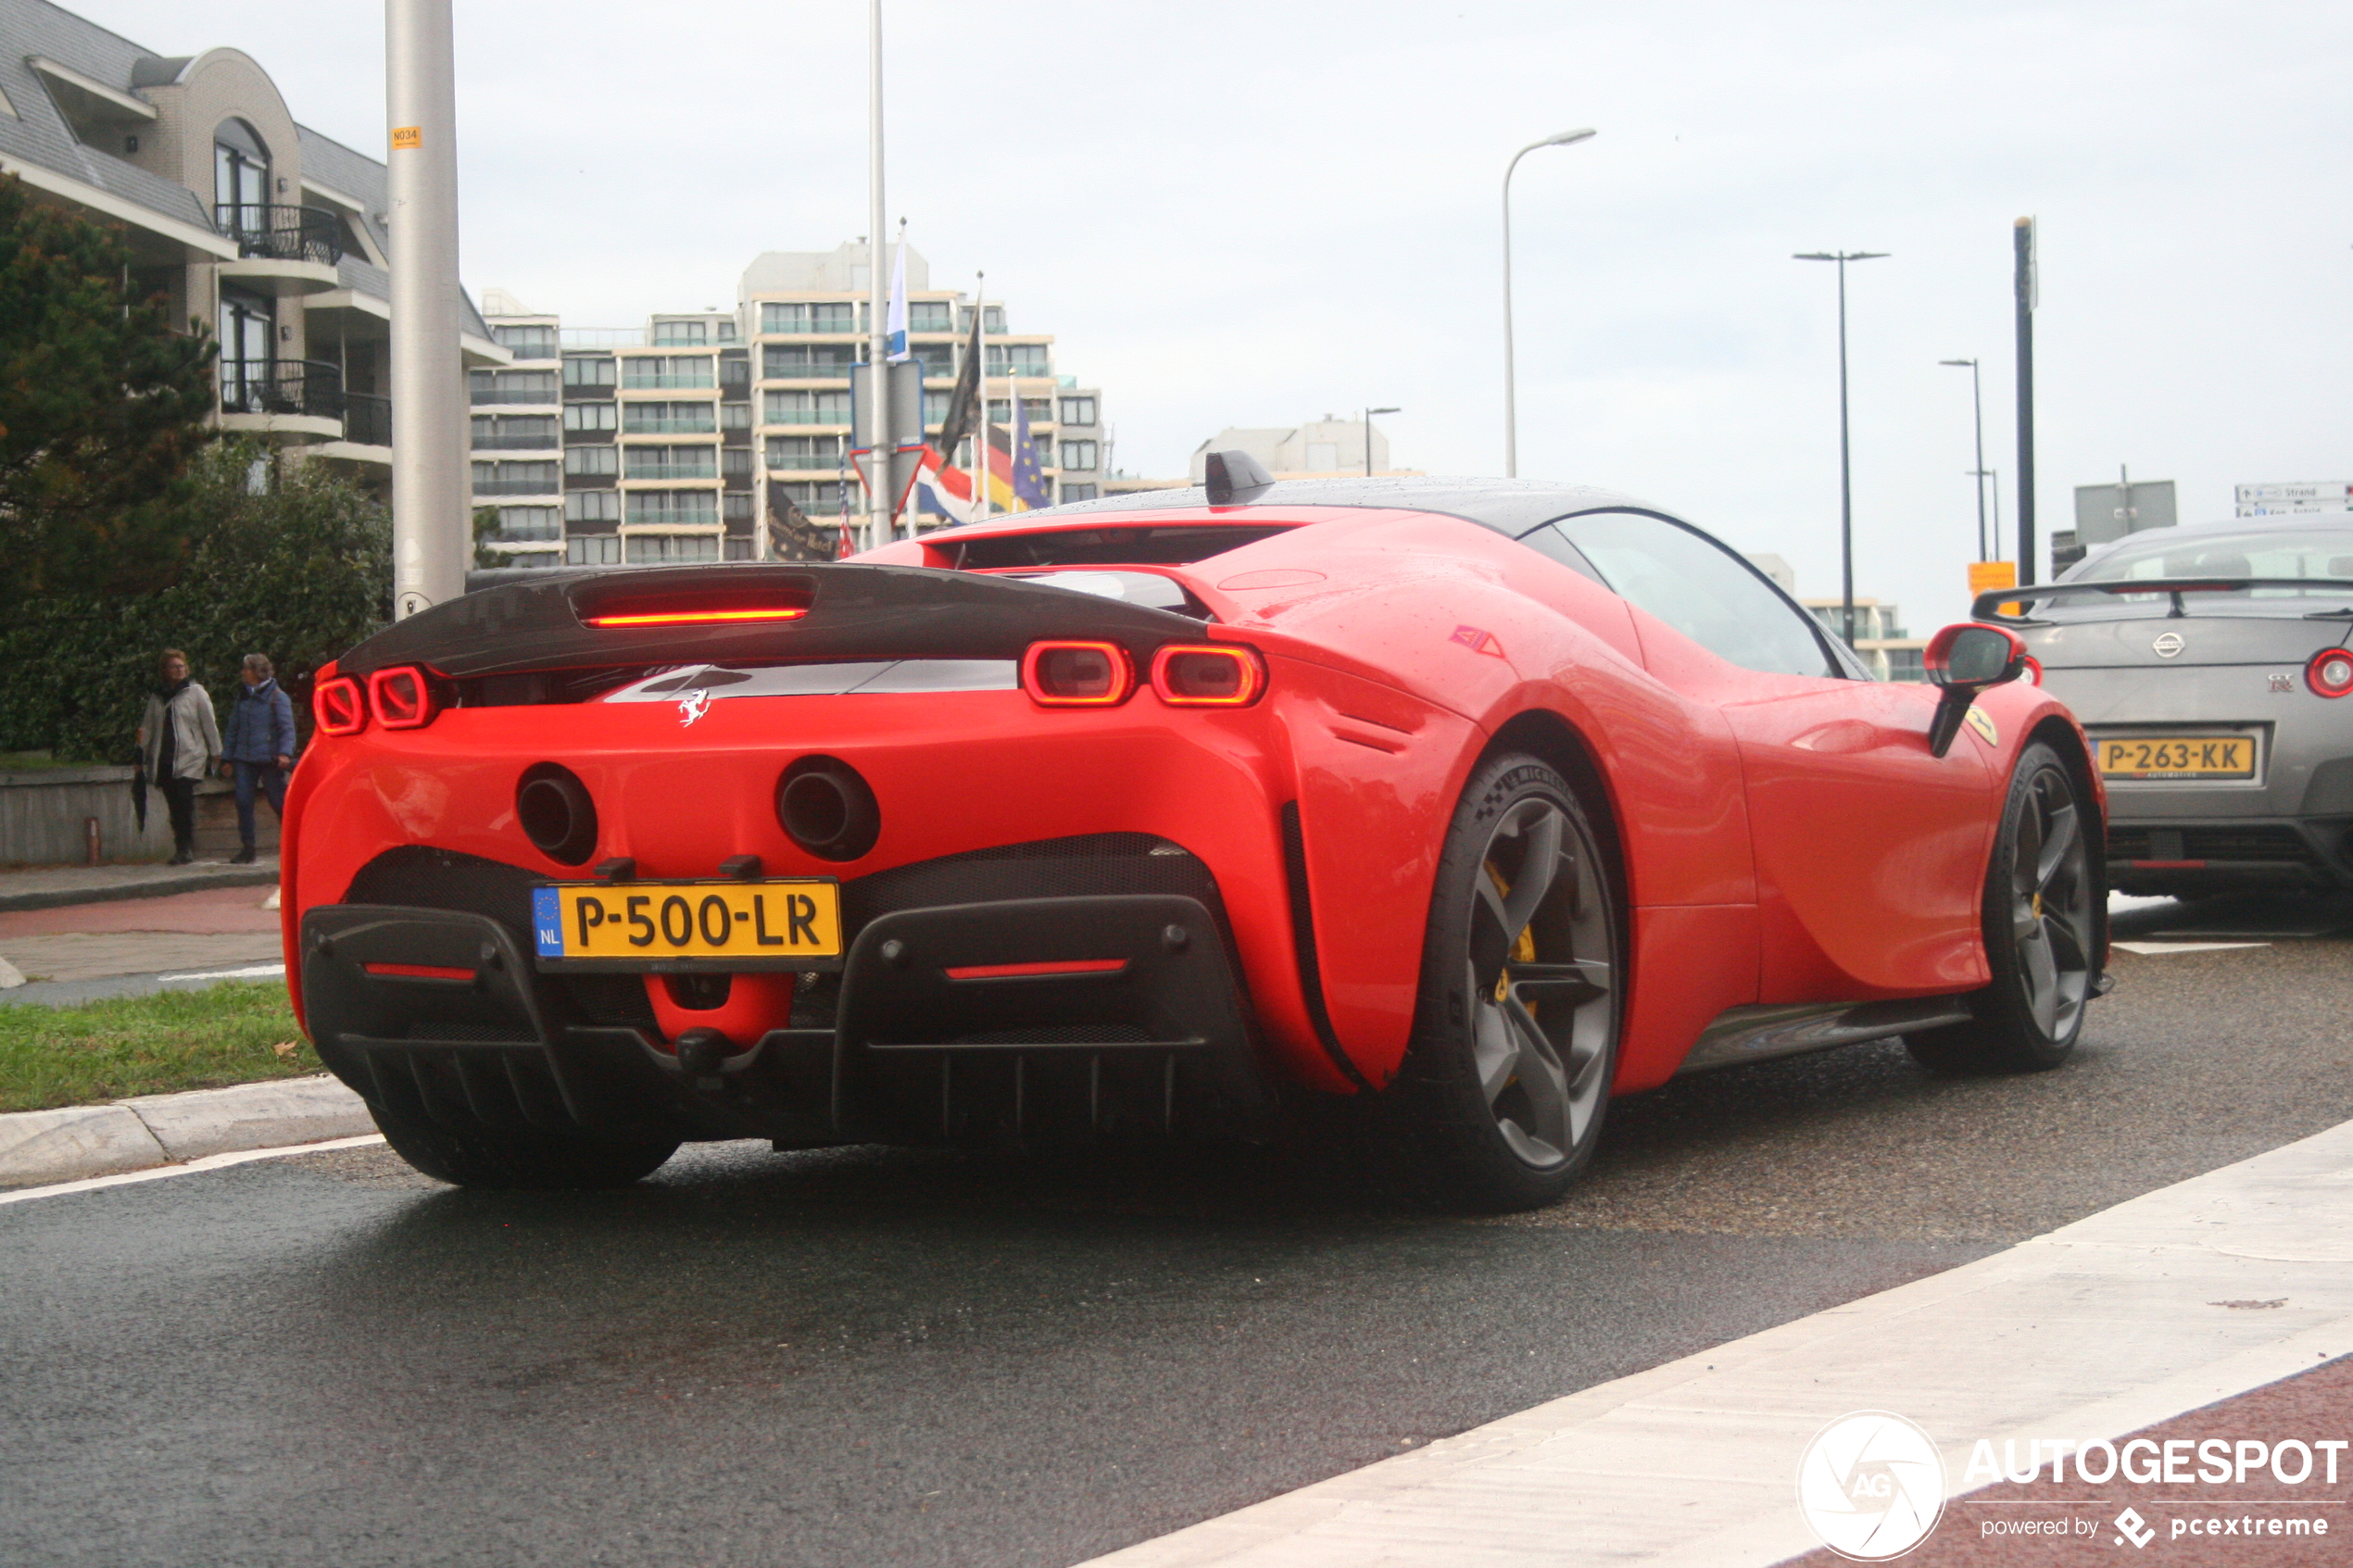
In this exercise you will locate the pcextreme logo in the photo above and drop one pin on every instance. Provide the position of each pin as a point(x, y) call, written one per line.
point(1871, 1484)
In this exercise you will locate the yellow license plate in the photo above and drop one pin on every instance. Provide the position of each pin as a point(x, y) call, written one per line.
point(2179, 757)
point(631, 923)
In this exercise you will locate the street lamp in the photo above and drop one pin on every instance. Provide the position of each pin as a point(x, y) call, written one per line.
point(1368, 435)
point(1511, 409)
point(1846, 476)
point(1976, 401)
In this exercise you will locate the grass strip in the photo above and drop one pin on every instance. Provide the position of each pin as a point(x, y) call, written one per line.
point(237, 1032)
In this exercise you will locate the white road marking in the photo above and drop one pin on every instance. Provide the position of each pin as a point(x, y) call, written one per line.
point(209, 1162)
point(258, 971)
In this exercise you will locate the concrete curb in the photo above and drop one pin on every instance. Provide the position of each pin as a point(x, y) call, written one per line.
point(163, 883)
point(41, 1148)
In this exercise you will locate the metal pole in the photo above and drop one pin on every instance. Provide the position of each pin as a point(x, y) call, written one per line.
point(2023, 288)
point(980, 380)
point(1368, 436)
point(1511, 393)
point(431, 520)
point(1845, 480)
point(1977, 405)
point(878, 459)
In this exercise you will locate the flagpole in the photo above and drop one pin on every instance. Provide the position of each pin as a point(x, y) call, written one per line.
point(980, 380)
point(878, 463)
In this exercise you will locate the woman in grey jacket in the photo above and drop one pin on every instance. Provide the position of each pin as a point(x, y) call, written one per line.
point(180, 741)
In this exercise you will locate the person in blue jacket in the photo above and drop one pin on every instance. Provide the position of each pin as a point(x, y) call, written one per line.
point(259, 748)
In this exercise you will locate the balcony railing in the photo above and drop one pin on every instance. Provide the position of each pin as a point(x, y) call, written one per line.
point(518, 486)
point(663, 471)
point(367, 421)
point(311, 387)
point(543, 396)
point(826, 462)
point(668, 427)
point(282, 233)
point(507, 441)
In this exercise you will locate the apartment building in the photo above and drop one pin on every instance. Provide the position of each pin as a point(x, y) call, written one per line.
point(256, 229)
point(1324, 449)
point(1880, 638)
point(697, 436)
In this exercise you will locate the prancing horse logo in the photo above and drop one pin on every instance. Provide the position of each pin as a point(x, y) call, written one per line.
point(693, 706)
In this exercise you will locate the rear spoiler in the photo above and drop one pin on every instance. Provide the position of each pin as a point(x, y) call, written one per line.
point(1987, 605)
point(756, 612)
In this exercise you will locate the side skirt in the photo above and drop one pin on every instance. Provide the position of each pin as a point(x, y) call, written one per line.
point(1742, 1034)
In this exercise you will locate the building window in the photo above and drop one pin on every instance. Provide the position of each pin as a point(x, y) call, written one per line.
point(734, 416)
point(512, 386)
point(528, 342)
point(736, 506)
point(1019, 359)
point(592, 462)
point(1078, 455)
point(589, 369)
point(249, 349)
point(740, 549)
point(665, 549)
point(680, 334)
point(593, 505)
point(1037, 411)
point(1079, 492)
point(677, 507)
point(995, 323)
point(817, 500)
point(663, 371)
point(669, 419)
point(735, 465)
point(806, 408)
point(931, 316)
point(791, 361)
point(1078, 411)
point(527, 523)
point(596, 549)
point(240, 178)
point(672, 463)
point(514, 433)
point(589, 417)
point(822, 453)
point(935, 407)
point(537, 558)
point(516, 479)
point(833, 318)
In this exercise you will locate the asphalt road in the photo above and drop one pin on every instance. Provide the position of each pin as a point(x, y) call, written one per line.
point(870, 1357)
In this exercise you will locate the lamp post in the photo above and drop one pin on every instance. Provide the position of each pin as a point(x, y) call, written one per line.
point(1368, 435)
point(1977, 402)
point(1511, 409)
point(1845, 473)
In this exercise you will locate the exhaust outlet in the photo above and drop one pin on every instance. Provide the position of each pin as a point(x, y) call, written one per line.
point(826, 808)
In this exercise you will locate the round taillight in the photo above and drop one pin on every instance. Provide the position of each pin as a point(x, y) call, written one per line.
point(2331, 673)
point(1077, 674)
point(553, 809)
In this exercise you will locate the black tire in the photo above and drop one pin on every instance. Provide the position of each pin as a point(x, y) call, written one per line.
point(489, 1158)
point(2042, 912)
point(1494, 1111)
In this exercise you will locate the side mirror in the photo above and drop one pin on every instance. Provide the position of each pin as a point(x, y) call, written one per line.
point(1963, 660)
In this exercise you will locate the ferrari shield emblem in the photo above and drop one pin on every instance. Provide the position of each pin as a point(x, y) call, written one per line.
point(1983, 722)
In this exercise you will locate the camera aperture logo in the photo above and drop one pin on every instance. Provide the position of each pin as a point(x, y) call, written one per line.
point(1871, 1484)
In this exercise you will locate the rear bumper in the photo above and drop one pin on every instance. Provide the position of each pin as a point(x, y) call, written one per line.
point(2173, 855)
point(1135, 1026)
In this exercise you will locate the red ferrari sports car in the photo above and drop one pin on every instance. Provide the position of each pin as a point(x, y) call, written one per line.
point(1469, 803)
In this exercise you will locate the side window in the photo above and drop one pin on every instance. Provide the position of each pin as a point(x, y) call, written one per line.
point(1549, 542)
point(1701, 589)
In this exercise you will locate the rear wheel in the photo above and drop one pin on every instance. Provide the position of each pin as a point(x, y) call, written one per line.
point(487, 1158)
point(1500, 1100)
point(2041, 933)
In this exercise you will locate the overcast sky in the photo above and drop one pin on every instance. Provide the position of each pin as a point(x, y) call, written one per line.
point(1257, 214)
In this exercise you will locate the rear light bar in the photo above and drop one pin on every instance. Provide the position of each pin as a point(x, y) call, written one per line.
point(2330, 672)
point(339, 707)
point(402, 697)
point(696, 617)
point(1208, 675)
point(1077, 674)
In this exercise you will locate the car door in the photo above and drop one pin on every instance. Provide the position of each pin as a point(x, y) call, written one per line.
point(1870, 853)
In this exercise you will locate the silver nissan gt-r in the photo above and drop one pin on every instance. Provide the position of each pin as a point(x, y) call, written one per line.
point(2210, 667)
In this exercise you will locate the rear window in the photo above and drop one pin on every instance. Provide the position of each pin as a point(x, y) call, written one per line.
point(1104, 546)
point(2302, 552)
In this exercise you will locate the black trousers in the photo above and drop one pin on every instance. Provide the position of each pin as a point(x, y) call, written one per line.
point(179, 796)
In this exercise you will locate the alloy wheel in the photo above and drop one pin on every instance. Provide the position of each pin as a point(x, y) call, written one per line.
point(2051, 904)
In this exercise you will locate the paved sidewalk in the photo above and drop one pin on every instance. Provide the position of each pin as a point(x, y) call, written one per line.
point(207, 933)
point(2119, 1322)
point(44, 887)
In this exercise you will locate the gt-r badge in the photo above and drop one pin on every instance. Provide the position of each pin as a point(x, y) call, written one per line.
point(1983, 722)
point(693, 706)
point(2167, 645)
point(2282, 683)
point(1478, 641)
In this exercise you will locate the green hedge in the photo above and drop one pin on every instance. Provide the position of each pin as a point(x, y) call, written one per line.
point(299, 569)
